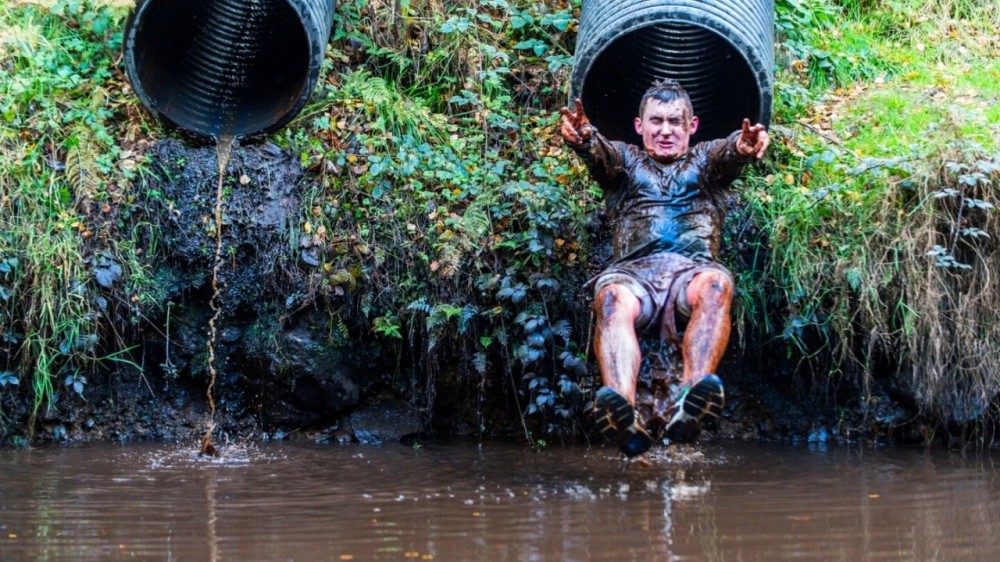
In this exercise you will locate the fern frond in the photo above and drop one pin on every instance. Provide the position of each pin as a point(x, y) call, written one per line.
point(421, 306)
point(480, 363)
point(82, 173)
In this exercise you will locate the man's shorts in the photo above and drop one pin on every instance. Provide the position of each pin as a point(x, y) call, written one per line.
point(659, 282)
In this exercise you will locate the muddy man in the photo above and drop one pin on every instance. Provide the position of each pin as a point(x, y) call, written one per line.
point(666, 203)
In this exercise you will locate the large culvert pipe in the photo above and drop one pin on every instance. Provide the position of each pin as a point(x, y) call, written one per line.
point(221, 67)
point(721, 52)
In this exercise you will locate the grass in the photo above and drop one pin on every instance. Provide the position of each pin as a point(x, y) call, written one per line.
point(63, 178)
point(871, 191)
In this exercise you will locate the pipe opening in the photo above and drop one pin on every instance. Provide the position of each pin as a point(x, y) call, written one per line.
point(721, 82)
point(220, 67)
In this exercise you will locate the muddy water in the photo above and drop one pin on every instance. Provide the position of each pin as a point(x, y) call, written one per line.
point(463, 501)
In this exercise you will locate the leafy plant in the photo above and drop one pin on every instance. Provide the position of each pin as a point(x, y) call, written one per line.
point(63, 179)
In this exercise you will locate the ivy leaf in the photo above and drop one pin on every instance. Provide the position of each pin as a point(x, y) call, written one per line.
point(106, 276)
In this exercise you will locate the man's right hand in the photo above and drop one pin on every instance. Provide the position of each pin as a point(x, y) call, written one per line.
point(575, 127)
point(753, 140)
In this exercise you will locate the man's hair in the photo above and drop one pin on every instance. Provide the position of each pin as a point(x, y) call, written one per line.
point(666, 90)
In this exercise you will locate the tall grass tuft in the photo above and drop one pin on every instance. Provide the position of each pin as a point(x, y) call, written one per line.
point(879, 209)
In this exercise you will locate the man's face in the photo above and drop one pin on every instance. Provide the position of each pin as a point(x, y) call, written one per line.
point(666, 128)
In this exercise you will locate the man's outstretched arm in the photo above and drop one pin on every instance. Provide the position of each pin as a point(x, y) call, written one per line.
point(727, 157)
point(603, 158)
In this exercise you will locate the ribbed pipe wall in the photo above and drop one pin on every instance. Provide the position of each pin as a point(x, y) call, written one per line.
point(721, 52)
point(226, 67)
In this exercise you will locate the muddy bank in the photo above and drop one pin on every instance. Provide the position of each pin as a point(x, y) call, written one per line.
point(284, 373)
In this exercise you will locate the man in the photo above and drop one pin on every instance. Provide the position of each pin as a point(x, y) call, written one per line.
point(666, 206)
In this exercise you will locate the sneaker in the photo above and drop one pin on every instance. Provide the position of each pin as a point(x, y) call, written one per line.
point(703, 399)
point(617, 421)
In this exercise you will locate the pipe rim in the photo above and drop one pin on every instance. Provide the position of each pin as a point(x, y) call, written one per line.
point(316, 51)
point(754, 60)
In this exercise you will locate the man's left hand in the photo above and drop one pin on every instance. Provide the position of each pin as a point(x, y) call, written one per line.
point(753, 140)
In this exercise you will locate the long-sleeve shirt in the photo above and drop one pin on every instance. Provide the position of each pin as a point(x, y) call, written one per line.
point(654, 206)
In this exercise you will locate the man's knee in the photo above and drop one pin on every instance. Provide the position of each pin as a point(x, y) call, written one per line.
point(710, 288)
point(616, 301)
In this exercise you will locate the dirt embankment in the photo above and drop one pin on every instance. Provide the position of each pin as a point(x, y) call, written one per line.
point(282, 374)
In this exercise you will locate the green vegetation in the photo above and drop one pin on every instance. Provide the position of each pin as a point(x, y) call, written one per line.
point(454, 226)
point(449, 211)
point(878, 212)
point(65, 170)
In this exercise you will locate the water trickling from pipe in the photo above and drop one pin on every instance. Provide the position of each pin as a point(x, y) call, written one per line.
point(223, 152)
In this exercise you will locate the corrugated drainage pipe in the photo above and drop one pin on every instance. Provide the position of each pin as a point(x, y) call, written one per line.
point(720, 51)
point(226, 67)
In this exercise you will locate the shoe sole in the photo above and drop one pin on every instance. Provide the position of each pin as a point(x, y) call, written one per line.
point(616, 420)
point(703, 400)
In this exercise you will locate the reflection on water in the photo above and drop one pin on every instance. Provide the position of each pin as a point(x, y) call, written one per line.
point(495, 501)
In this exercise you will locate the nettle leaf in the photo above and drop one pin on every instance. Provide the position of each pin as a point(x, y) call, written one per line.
point(8, 265)
point(521, 19)
point(977, 203)
point(973, 179)
point(456, 24)
point(558, 20)
point(13, 338)
point(987, 167)
point(954, 167)
point(974, 232)
point(8, 377)
point(535, 45)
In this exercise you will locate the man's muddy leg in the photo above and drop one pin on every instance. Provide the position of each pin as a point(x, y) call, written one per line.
point(618, 356)
point(710, 295)
point(615, 341)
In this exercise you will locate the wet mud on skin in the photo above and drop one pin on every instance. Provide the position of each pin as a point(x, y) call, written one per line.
point(457, 500)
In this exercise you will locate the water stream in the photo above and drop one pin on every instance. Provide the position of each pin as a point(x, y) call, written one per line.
point(496, 501)
point(223, 151)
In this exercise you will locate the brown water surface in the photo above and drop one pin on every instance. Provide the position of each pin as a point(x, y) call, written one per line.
point(496, 501)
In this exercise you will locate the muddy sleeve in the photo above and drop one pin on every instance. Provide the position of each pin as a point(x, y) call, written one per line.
point(723, 163)
point(604, 158)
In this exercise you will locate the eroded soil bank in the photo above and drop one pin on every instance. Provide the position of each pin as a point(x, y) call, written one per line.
point(284, 373)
